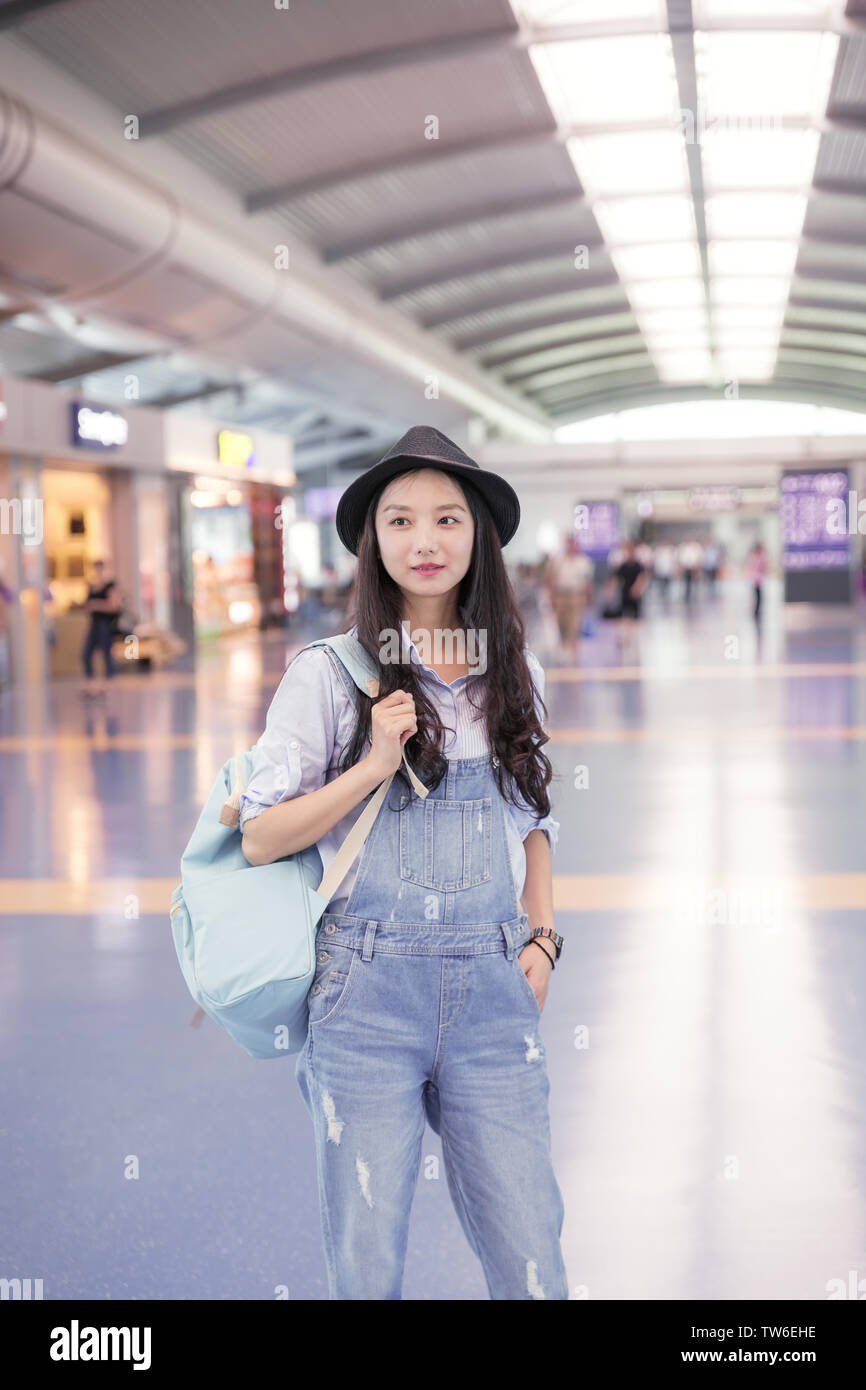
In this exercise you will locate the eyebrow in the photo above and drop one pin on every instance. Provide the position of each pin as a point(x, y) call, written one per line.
point(442, 507)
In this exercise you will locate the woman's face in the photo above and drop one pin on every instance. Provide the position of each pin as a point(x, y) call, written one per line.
point(423, 519)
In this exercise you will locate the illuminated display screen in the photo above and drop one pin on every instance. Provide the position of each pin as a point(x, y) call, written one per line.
point(236, 450)
point(596, 526)
point(320, 503)
point(814, 517)
point(95, 427)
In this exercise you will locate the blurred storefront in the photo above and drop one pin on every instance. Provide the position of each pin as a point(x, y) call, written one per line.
point(237, 484)
point(72, 473)
point(186, 513)
point(225, 593)
point(733, 516)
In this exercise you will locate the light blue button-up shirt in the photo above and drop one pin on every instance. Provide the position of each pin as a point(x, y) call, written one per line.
point(312, 718)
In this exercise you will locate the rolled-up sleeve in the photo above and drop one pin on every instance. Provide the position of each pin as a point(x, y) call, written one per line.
point(525, 817)
point(294, 753)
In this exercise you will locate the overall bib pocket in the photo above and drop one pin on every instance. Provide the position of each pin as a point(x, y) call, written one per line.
point(445, 845)
point(336, 970)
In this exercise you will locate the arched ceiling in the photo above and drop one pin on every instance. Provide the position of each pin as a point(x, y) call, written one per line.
point(598, 203)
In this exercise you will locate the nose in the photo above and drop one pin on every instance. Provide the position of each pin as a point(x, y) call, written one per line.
point(425, 543)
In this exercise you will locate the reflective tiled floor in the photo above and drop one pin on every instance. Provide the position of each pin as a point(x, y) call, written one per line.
point(704, 1030)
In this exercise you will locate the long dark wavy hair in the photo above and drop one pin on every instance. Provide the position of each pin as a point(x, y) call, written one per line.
point(504, 693)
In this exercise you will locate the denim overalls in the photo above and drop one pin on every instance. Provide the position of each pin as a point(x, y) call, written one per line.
point(420, 1009)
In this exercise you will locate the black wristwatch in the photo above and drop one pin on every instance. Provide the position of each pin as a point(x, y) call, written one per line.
point(551, 936)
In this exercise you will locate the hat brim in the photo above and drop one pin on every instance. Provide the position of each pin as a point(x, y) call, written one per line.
point(353, 505)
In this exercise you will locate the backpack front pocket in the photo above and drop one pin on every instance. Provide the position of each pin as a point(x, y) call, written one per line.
point(445, 845)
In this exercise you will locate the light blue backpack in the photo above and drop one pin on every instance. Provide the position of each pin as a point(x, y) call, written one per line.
point(245, 934)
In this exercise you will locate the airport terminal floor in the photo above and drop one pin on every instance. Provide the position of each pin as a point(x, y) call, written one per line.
point(703, 1031)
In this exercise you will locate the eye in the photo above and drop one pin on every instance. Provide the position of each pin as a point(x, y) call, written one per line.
point(394, 521)
point(448, 518)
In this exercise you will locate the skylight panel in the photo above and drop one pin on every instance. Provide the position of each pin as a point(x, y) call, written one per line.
point(778, 215)
point(637, 220)
point(660, 294)
point(729, 11)
point(552, 12)
point(744, 364)
point(759, 158)
point(609, 80)
point(684, 366)
point(643, 161)
point(757, 290)
point(659, 261)
point(774, 75)
point(752, 257)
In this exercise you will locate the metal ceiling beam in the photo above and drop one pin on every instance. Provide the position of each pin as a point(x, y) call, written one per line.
point(839, 188)
point(853, 320)
point(599, 327)
point(806, 393)
point(167, 400)
point(303, 420)
point(16, 12)
point(599, 402)
point(452, 221)
point(829, 357)
point(798, 300)
point(564, 377)
point(682, 33)
point(521, 294)
point(336, 435)
point(480, 265)
point(806, 333)
point(90, 365)
point(597, 368)
point(627, 28)
point(423, 153)
point(353, 65)
point(612, 347)
point(555, 395)
point(510, 38)
point(819, 240)
point(571, 354)
point(426, 225)
point(833, 274)
point(499, 332)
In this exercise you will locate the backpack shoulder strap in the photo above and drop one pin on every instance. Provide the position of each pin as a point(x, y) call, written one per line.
point(355, 658)
point(365, 673)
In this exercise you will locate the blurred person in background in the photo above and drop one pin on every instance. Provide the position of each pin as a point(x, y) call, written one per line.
point(7, 598)
point(103, 603)
point(615, 557)
point(664, 566)
point(645, 555)
point(757, 567)
point(569, 581)
point(689, 558)
point(712, 559)
point(527, 590)
point(632, 578)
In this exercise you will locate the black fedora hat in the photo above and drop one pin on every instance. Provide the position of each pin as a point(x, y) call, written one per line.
point(426, 447)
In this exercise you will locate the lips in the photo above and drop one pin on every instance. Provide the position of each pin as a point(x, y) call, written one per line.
point(427, 569)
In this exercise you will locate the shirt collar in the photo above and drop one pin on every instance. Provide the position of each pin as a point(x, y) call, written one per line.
point(415, 655)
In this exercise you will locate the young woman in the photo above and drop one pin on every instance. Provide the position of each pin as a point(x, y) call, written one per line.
point(430, 977)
